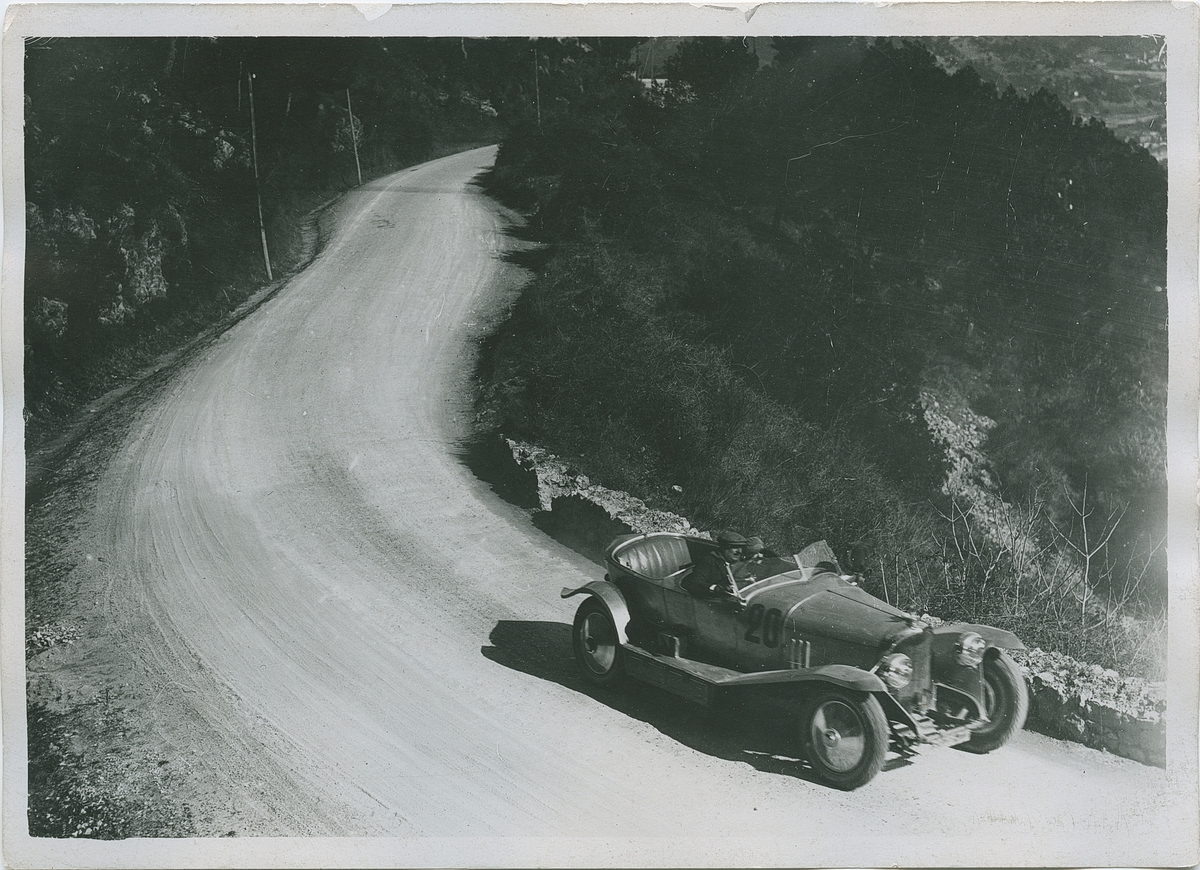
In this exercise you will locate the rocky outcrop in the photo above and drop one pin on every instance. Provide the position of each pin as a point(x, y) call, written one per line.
point(1068, 699)
point(559, 485)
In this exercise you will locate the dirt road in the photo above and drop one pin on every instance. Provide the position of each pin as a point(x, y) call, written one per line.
point(337, 630)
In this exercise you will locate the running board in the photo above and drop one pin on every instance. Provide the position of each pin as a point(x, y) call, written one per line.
point(699, 681)
point(689, 679)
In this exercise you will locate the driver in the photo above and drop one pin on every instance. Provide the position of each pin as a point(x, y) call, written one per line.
point(715, 573)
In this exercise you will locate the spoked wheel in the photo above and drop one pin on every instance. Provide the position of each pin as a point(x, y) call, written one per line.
point(845, 737)
point(1006, 702)
point(597, 645)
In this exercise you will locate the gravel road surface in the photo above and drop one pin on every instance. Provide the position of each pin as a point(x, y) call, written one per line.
point(343, 632)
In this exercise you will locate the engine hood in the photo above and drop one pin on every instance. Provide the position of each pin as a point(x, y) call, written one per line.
point(825, 605)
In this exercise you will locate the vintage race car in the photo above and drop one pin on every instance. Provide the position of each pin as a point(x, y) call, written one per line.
point(860, 675)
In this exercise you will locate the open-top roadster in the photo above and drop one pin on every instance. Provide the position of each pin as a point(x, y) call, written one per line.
point(859, 674)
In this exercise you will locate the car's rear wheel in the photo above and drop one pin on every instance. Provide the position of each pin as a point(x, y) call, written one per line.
point(597, 645)
point(845, 737)
point(1006, 702)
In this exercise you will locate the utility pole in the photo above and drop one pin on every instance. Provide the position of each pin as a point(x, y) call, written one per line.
point(353, 138)
point(537, 90)
point(262, 227)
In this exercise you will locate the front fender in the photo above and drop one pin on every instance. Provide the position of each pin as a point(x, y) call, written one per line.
point(995, 637)
point(961, 678)
point(611, 597)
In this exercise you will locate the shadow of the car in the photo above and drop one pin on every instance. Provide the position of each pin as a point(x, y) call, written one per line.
point(737, 729)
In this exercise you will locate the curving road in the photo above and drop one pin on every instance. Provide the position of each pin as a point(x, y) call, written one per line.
point(344, 632)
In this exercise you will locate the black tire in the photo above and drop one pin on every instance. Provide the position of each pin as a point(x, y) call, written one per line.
point(845, 737)
point(1006, 702)
point(597, 645)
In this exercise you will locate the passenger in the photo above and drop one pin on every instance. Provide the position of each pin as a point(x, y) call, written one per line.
point(760, 563)
point(714, 574)
point(755, 549)
point(750, 568)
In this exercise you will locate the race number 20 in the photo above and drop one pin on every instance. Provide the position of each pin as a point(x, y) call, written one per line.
point(768, 622)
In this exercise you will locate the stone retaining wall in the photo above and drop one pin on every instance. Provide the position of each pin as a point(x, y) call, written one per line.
point(1076, 701)
point(1068, 699)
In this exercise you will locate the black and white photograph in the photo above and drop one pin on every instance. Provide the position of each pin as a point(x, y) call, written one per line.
point(517, 435)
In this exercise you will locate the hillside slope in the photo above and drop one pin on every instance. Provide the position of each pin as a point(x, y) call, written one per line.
point(849, 295)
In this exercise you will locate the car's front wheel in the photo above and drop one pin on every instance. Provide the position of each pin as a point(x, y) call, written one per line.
point(597, 645)
point(845, 737)
point(1006, 702)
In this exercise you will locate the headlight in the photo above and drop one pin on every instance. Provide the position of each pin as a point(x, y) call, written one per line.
point(970, 649)
point(896, 670)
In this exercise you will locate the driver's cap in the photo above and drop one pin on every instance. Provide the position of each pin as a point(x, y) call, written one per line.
point(727, 538)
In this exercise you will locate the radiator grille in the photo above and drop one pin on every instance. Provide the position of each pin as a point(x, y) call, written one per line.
point(918, 694)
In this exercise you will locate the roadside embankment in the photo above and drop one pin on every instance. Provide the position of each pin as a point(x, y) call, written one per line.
point(1068, 699)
